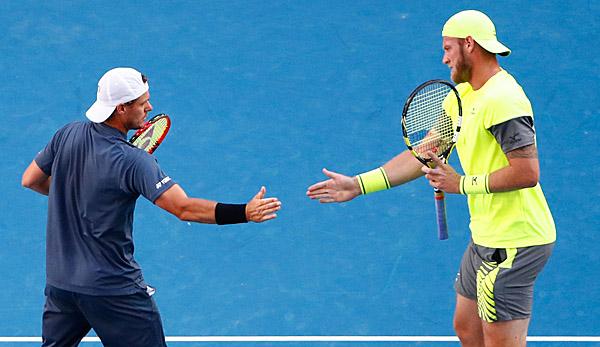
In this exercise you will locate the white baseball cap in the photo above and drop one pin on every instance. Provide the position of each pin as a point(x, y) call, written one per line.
point(117, 86)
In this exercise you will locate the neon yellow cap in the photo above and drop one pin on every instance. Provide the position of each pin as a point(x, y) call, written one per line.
point(477, 25)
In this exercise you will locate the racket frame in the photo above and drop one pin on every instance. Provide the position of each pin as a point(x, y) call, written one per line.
point(147, 125)
point(440, 201)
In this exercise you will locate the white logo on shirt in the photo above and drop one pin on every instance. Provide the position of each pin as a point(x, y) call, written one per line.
point(163, 181)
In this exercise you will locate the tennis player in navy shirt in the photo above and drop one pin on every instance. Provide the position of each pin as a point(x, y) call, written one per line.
point(93, 178)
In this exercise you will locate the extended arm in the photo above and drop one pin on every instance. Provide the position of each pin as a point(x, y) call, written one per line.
point(403, 168)
point(339, 188)
point(176, 202)
point(35, 179)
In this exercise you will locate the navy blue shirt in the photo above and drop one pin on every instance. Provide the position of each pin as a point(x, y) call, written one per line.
point(96, 178)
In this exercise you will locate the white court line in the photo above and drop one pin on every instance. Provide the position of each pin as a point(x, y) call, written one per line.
point(319, 339)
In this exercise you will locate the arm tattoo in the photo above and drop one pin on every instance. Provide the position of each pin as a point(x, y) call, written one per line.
point(524, 152)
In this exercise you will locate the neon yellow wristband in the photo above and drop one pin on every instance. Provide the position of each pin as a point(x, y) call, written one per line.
point(474, 184)
point(373, 181)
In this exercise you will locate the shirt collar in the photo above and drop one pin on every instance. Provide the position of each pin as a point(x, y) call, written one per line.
point(108, 130)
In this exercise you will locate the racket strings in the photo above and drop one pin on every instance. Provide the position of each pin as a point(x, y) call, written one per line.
point(428, 126)
point(151, 135)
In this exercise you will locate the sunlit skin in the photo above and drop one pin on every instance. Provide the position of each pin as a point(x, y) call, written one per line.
point(454, 58)
point(468, 61)
point(131, 115)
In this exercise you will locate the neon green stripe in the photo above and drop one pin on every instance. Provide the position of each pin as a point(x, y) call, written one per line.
point(511, 253)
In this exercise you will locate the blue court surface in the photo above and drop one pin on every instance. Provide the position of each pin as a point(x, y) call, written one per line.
point(269, 93)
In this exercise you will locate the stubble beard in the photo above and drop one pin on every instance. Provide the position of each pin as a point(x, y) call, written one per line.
point(462, 69)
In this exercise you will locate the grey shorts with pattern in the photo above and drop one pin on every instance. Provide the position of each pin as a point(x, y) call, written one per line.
point(501, 279)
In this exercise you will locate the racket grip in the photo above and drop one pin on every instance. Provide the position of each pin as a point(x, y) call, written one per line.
point(440, 211)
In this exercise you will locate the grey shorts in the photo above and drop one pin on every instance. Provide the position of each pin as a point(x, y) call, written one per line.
point(501, 279)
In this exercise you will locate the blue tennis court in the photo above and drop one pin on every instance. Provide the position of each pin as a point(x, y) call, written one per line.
point(269, 93)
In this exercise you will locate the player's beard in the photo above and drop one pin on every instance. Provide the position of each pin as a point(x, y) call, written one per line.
point(462, 69)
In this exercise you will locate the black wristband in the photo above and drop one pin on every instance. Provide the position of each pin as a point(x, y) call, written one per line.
point(230, 213)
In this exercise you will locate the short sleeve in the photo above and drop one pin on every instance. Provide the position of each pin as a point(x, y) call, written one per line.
point(514, 133)
point(505, 105)
point(146, 177)
point(45, 158)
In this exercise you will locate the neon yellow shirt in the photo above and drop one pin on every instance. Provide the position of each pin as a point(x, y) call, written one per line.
point(518, 218)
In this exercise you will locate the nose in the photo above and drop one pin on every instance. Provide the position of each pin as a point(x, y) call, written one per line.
point(150, 106)
point(445, 59)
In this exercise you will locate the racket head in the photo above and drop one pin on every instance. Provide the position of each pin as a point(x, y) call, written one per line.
point(426, 124)
point(152, 133)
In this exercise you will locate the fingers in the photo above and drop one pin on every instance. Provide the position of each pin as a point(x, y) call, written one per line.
point(317, 186)
point(435, 158)
point(316, 193)
point(268, 206)
point(261, 193)
point(330, 174)
point(261, 210)
point(326, 200)
point(323, 184)
point(322, 197)
point(267, 217)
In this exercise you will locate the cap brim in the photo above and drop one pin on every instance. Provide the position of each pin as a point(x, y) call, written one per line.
point(494, 46)
point(99, 112)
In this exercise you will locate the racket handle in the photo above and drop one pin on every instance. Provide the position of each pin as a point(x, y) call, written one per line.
point(440, 211)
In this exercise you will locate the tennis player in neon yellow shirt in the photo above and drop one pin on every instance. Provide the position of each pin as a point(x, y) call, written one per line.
point(512, 229)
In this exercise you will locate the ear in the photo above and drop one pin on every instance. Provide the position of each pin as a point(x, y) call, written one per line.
point(120, 109)
point(469, 43)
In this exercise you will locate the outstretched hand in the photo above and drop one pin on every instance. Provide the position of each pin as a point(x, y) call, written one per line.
point(261, 209)
point(443, 176)
point(338, 188)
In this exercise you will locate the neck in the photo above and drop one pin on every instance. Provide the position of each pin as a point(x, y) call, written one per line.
point(482, 72)
point(114, 123)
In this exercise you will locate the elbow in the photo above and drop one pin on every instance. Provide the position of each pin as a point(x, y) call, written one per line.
point(184, 216)
point(26, 182)
point(531, 180)
point(187, 213)
point(530, 184)
point(180, 213)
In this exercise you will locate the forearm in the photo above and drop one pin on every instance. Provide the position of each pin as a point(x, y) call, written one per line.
point(35, 179)
point(403, 168)
point(175, 201)
point(521, 172)
point(198, 210)
point(515, 176)
point(41, 187)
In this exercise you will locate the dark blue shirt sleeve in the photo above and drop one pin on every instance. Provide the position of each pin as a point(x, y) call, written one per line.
point(45, 158)
point(146, 178)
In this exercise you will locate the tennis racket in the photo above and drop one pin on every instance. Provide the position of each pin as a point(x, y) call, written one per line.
point(427, 126)
point(152, 133)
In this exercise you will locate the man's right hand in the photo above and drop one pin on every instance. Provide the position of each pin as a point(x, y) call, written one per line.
point(261, 209)
point(338, 188)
